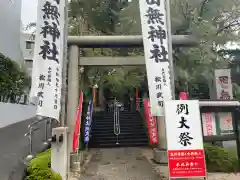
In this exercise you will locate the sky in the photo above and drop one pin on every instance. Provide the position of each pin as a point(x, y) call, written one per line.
point(29, 11)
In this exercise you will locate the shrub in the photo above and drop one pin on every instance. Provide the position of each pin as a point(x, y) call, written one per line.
point(40, 168)
point(219, 159)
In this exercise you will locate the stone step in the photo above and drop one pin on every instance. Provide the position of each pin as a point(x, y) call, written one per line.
point(122, 129)
point(132, 131)
point(114, 145)
point(109, 135)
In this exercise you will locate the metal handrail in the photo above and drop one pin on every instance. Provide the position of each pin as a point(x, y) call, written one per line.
point(32, 129)
point(219, 103)
point(29, 135)
point(117, 130)
point(139, 104)
point(38, 121)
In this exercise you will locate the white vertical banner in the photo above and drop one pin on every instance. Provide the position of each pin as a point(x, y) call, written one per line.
point(48, 57)
point(223, 84)
point(155, 40)
point(209, 124)
point(225, 123)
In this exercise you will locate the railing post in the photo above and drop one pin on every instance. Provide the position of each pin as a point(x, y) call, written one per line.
point(50, 130)
point(72, 95)
point(46, 131)
point(30, 143)
point(29, 135)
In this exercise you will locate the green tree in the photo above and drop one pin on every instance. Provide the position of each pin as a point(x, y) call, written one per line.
point(97, 17)
point(213, 22)
point(13, 80)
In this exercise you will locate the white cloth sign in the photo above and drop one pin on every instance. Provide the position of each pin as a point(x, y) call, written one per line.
point(48, 57)
point(223, 84)
point(155, 41)
point(209, 124)
point(183, 125)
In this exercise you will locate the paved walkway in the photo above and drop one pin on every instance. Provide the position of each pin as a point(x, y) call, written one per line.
point(119, 164)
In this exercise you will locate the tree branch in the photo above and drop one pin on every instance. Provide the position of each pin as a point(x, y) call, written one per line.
point(233, 23)
point(203, 4)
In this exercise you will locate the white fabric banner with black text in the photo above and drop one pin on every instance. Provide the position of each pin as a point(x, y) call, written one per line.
point(48, 57)
point(155, 41)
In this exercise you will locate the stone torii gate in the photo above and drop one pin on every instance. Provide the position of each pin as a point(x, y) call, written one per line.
point(73, 69)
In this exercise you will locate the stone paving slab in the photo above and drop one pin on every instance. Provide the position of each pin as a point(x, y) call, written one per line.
point(119, 164)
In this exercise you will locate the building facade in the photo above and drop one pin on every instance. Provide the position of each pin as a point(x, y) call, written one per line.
point(27, 46)
point(10, 29)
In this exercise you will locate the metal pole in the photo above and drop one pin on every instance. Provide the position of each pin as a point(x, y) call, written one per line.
point(50, 130)
point(161, 152)
point(29, 135)
point(64, 69)
point(219, 103)
point(46, 131)
point(72, 95)
point(124, 41)
point(30, 141)
point(170, 50)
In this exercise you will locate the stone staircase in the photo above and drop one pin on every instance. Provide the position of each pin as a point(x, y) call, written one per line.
point(132, 130)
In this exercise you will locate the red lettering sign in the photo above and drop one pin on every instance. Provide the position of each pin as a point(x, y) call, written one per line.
point(186, 163)
point(151, 123)
point(209, 122)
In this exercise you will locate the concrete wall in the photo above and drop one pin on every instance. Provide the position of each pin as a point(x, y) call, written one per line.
point(10, 20)
point(12, 113)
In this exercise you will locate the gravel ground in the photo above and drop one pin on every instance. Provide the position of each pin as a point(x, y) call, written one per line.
point(163, 171)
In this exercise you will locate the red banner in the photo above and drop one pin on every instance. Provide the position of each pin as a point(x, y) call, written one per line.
point(77, 125)
point(151, 123)
point(186, 163)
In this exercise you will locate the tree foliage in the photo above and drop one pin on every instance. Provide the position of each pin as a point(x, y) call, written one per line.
point(213, 22)
point(13, 80)
point(97, 17)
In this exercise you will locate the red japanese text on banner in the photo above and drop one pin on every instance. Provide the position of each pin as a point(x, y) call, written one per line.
point(151, 123)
